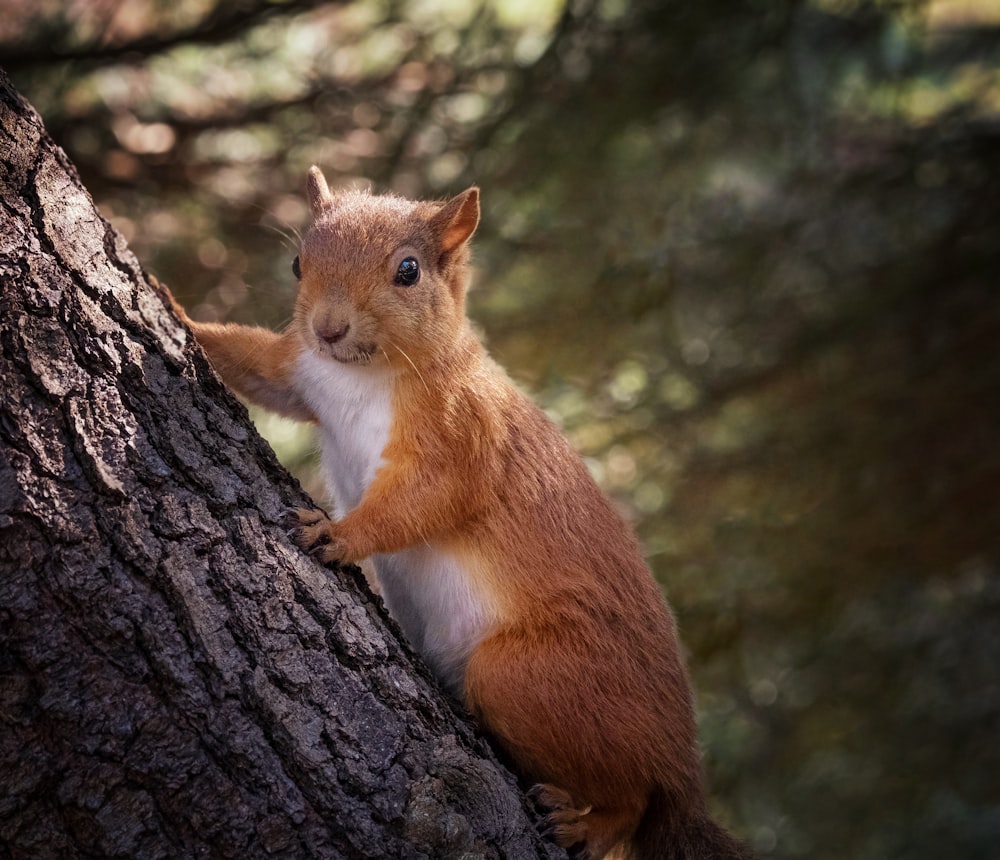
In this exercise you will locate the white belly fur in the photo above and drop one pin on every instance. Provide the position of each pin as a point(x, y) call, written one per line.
point(426, 588)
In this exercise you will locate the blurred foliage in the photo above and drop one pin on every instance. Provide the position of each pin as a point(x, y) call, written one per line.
point(746, 252)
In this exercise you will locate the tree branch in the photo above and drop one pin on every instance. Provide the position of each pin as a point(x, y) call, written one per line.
point(224, 22)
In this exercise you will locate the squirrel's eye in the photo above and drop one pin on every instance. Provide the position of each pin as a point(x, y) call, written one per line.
point(296, 270)
point(408, 272)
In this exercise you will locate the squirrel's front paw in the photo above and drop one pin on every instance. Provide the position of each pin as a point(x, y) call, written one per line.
point(316, 533)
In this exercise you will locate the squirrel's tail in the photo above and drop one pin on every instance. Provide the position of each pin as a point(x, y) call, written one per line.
point(660, 836)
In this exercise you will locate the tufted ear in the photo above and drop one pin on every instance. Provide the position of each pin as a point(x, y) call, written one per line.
point(456, 220)
point(320, 198)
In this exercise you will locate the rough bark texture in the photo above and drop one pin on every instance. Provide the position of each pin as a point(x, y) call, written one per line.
point(176, 679)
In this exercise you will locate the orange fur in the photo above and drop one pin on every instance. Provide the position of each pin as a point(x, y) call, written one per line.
point(573, 661)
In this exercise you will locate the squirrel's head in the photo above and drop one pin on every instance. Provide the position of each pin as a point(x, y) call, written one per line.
point(382, 278)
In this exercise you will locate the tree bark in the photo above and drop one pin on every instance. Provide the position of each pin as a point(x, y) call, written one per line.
point(176, 678)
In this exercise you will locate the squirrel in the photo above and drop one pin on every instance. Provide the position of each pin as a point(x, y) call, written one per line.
point(495, 551)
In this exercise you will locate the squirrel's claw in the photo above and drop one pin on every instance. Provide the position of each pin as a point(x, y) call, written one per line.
point(315, 533)
point(564, 821)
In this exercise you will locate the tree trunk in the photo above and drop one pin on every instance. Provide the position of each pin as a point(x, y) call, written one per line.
point(176, 678)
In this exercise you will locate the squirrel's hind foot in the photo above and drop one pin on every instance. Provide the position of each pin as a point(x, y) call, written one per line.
point(564, 822)
point(588, 833)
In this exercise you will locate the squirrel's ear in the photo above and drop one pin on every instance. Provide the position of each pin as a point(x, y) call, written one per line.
point(320, 198)
point(457, 219)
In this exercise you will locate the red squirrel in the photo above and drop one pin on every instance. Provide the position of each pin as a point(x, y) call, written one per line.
point(496, 552)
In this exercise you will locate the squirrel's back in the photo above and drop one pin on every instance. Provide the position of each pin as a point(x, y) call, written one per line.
point(581, 595)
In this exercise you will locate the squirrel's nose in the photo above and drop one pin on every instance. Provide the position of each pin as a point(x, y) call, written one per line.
point(332, 333)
